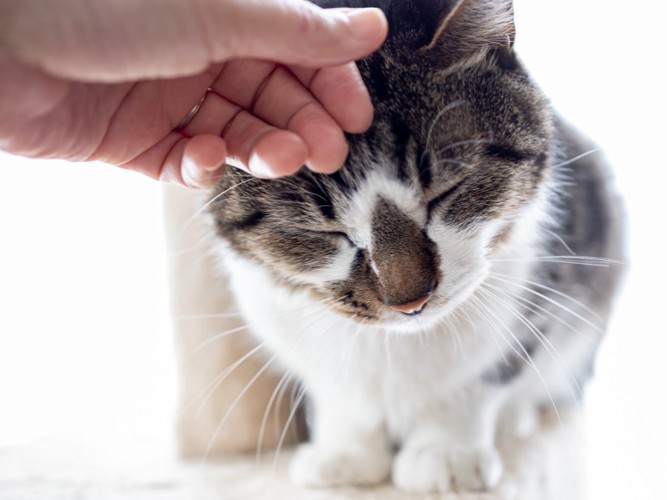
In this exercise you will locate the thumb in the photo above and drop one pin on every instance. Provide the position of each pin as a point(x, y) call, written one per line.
point(292, 32)
point(99, 40)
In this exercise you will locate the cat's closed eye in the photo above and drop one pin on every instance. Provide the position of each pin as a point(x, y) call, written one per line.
point(339, 235)
point(445, 195)
point(334, 236)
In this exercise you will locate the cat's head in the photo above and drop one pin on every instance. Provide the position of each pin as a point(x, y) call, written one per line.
point(458, 149)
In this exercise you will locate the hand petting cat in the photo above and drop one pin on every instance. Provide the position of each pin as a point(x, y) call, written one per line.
point(177, 89)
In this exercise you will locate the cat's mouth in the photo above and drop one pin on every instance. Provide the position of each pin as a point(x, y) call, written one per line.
point(430, 315)
point(433, 313)
point(416, 319)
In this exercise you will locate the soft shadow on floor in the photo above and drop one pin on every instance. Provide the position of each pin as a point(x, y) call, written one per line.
point(146, 468)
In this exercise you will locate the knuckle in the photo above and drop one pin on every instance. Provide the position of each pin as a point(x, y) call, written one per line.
point(309, 23)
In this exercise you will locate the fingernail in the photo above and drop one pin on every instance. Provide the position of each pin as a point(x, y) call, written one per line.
point(190, 172)
point(367, 24)
point(260, 168)
point(213, 168)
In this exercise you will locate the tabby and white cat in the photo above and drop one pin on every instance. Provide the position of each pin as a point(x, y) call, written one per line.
point(441, 288)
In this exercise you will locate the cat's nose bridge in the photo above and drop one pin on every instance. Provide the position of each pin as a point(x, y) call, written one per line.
point(404, 259)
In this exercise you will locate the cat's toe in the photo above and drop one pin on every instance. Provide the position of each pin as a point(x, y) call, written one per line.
point(321, 467)
point(451, 469)
point(475, 470)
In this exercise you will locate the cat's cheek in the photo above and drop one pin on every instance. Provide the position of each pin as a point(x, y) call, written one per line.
point(502, 235)
point(463, 265)
point(337, 269)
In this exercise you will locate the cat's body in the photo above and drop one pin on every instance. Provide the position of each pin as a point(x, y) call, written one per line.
point(451, 281)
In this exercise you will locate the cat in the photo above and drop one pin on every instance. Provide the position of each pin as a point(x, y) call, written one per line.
point(452, 281)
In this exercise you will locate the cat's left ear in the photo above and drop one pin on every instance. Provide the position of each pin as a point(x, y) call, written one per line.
point(472, 26)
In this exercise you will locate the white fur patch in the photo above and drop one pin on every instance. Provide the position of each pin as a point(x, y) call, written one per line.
point(337, 270)
point(358, 214)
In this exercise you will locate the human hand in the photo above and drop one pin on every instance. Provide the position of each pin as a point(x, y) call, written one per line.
point(99, 80)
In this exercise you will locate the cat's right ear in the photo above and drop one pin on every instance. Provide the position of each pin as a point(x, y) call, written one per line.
point(472, 26)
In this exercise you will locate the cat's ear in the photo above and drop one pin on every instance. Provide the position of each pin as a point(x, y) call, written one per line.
point(471, 26)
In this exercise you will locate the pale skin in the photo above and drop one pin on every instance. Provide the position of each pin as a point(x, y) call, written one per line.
point(110, 80)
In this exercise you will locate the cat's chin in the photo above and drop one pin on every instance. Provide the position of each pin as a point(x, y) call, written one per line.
point(408, 325)
point(414, 326)
point(434, 317)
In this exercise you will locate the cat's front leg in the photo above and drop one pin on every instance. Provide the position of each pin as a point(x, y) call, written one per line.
point(452, 447)
point(350, 446)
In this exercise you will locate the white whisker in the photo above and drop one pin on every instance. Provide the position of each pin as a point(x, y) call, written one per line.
point(439, 115)
point(468, 142)
point(597, 328)
point(231, 408)
point(205, 206)
point(561, 241)
point(567, 259)
point(543, 312)
point(477, 309)
point(205, 316)
point(551, 290)
point(283, 435)
point(577, 158)
point(215, 338)
point(523, 355)
point(543, 339)
point(284, 380)
point(219, 379)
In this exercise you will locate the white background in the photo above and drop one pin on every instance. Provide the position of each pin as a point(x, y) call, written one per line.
point(85, 347)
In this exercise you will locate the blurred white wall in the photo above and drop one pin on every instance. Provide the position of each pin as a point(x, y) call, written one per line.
point(84, 338)
point(602, 64)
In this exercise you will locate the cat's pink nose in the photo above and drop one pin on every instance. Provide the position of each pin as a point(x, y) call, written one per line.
point(414, 307)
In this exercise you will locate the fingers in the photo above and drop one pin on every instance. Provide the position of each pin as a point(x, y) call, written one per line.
point(270, 120)
point(265, 118)
point(249, 138)
point(274, 95)
point(190, 161)
point(272, 124)
point(264, 150)
point(223, 132)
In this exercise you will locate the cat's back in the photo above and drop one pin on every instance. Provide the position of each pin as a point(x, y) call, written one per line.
point(590, 214)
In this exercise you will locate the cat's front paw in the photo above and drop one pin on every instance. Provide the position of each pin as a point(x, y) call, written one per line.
point(447, 469)
point(323, 467)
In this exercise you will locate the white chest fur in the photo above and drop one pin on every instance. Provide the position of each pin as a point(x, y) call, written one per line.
point(399, 375)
